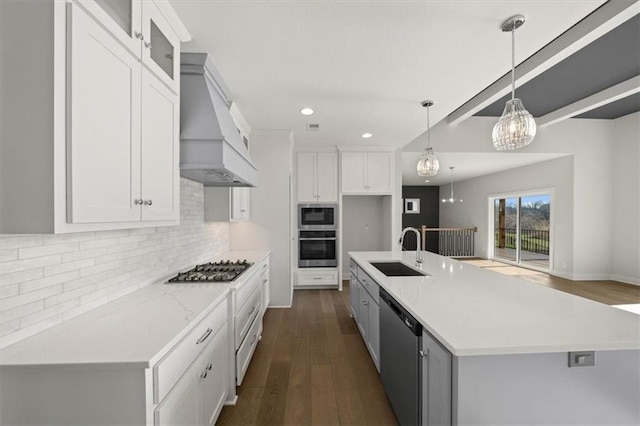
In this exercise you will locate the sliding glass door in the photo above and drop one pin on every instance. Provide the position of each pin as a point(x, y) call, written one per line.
point(522, 230)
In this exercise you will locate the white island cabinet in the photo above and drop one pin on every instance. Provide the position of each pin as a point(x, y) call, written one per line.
point(497, 349)
point(90, 137)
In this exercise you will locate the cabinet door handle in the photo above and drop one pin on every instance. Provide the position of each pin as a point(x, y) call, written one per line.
point(264, 281)
point(264, 266)
point(317, 278)
point(139, 35)
point(148, 202)
point(365, 303)
point(253, 308)
point(138, 202)
point(204, 375)
point(147, 45)
point(242, 211)
point(204, 336)
point(253, 339)
point(209, 367)
point(423, 354)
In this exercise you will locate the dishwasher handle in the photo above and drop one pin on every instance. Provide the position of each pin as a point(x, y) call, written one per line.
point(408, 320)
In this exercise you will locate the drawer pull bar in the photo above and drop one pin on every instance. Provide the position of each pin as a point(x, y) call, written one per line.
point(253, 308)
point(204, 336)
point(253, 339)
point(317, 278)
point(209, 367)
point(204, 375)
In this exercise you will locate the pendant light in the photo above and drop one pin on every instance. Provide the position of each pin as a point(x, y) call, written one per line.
point(428, 164)
point(516, 127)
point(451, 200)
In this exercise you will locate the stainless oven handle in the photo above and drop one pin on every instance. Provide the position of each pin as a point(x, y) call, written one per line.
point(317, 239)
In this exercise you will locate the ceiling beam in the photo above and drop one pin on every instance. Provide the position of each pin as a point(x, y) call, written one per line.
point(606, 96)
point(601, 21)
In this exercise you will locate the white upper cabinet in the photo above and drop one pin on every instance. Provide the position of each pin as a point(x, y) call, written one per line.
point(142, 28)
point(367, 172)
point(91, 120)
point(160, 180)
point(104, 129)
point(317, 176)
point(240, 200)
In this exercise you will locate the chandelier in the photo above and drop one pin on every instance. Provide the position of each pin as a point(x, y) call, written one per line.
point(451, 200)
point(428, 164)
point(516, 127)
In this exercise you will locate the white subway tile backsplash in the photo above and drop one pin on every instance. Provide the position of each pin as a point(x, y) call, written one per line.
point(47, 279)
point(8, 255)
point(15, 242)
point(21, 311)
point(18, 277)
point(69, 266)
point(23, 265)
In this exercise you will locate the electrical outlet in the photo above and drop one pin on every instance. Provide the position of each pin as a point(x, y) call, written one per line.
point(582, 359)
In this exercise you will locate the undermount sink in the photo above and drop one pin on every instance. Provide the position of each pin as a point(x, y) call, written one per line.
point(397, 269)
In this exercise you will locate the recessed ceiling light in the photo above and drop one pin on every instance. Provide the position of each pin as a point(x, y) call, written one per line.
point(366, 135)
point(306, 111)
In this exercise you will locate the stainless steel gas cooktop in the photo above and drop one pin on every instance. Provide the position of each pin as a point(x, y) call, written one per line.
point(221, 271)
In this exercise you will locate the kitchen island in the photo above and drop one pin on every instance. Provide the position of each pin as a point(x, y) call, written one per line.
point(510, 342)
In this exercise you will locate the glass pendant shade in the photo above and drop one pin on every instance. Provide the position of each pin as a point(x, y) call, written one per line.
point(428, 164)
point(515, 129)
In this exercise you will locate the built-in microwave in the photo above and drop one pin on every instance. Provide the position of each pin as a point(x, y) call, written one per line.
point(317, 216)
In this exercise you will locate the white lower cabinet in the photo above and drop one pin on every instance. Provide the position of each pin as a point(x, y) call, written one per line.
point(311, 277)
point(198, 397)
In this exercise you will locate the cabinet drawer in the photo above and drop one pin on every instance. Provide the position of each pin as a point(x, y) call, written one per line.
point(317, 277)
point(245, 352)
point(244, 317)
point(245, 292)
point(169, 369)
point(369, 285)
point(353, 268)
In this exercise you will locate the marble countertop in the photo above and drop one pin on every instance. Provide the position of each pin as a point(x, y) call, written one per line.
point(135, 330)
point(472, 311)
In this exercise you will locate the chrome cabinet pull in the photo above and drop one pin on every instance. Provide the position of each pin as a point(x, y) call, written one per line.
point(138, 202)
point(253, 339)
point(365, 303)
point(139, 35)
point(253, 308)
point(148, 202)
point(264, 266)
point(204, 375)
point(209, 367)
point(204, 336)
point(423, 354)
point(147, 45)
point(264, 281)
point(317, 278)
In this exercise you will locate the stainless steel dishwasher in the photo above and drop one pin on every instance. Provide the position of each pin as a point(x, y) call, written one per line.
point(400, 366)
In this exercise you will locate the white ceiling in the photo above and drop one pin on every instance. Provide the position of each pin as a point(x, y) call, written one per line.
point(364, 66)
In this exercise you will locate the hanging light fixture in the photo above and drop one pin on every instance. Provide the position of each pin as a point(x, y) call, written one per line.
point(516, 127)
point(451, 200)
point(428, 164)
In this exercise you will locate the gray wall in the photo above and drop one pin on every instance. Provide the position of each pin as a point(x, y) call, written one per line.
point(429, 214)
point(362, 226)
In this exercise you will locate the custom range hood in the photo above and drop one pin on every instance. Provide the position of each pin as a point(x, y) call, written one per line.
point(211, 148)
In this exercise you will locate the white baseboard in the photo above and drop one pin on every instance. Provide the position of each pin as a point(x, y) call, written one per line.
point(626, 280)
point(278, 307)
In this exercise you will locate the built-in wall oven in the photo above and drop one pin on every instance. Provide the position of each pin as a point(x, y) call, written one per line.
point(317, 216)
point(317, 248)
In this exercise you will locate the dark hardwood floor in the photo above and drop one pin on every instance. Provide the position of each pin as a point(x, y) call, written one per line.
point(311, 368)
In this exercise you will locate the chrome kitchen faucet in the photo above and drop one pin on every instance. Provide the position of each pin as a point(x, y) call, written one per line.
point(419, 259)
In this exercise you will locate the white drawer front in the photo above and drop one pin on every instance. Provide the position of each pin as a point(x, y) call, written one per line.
point(170, 368)
point(245, 352)
point(369, 285)
point(248, 312)
point(245, 292)
point(317, 277)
